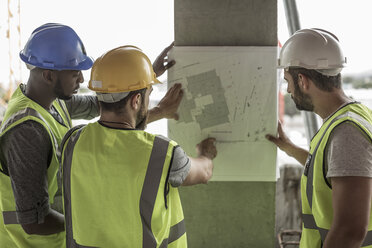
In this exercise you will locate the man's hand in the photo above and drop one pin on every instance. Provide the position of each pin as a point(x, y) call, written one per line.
point(285, 144)
point(161, 63)
point(282, 141)
point(168, 105)
point(201, 168)
point(207, 148)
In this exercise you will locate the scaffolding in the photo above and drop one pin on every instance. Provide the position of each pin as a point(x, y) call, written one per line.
point(13, 35)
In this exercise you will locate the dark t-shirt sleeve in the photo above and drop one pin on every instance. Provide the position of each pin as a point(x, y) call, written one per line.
point(83, 107)
point(27, 150)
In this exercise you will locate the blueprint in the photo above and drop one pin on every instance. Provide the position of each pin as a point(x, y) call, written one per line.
point(230, 93)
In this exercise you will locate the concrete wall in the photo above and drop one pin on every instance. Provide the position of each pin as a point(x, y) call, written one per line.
point(228, 214)
point(225, 22)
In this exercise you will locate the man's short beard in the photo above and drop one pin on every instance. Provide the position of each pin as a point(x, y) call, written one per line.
point(302, 100)
point(142, 116)
point(58, 91)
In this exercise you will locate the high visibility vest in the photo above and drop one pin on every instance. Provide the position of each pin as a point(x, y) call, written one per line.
point(316, 193)
point(21, 109)
point(116, 190)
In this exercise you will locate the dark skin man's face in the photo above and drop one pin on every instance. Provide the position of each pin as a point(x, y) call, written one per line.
point(67, 84)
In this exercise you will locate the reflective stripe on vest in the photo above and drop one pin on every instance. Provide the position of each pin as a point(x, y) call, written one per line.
point(10, 217)
point(308, 219)
point(148, 194)
point(29, 112)
point(175, 233)
point(65, 112)
point(150, 188)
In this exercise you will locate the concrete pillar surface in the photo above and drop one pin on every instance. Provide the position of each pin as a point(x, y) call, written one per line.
point(228, 214)
point(225, 23)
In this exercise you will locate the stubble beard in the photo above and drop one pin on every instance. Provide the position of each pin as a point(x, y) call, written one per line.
point(142, 117)
point(58, 91)
point(303, 101)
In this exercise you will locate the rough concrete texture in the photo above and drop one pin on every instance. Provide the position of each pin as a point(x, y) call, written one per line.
point(225, 23)
point(230, 214)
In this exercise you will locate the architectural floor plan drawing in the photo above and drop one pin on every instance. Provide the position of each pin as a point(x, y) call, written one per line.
point(230, 93)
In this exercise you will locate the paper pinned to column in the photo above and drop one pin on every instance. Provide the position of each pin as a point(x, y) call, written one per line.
point(230, 93)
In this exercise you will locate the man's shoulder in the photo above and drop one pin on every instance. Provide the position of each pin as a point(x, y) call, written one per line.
point(174, 143)
point(348, 129)
point(28, 126)
point(26, 131)
point(70, 132)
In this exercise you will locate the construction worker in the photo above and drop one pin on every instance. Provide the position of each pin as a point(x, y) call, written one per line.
point(336, 187)
point(120, 182)
point(38, 116)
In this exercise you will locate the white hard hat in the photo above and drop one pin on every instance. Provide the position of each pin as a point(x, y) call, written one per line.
point(315, 49)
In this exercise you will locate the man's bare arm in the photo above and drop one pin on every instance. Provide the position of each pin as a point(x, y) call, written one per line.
point(351, 198)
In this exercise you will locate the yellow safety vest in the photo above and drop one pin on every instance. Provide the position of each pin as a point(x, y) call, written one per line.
point(316, 193)
point(21, 109)
point(116, 190)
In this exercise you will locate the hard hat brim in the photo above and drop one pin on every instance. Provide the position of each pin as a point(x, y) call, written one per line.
point(86, 64)
point(156, 81)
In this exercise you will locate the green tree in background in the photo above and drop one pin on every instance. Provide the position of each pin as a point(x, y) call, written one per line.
point(358, 82)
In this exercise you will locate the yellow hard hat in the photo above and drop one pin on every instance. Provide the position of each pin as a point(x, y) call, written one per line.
point(122, 69)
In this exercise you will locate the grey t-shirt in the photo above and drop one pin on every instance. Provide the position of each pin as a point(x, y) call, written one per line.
point(83, 107)
point(26, 151)
point(180, 167)
point(349, 152)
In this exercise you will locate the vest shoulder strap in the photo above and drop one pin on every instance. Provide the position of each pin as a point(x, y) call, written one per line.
point(163, 138)
point(65, 112)
point(67, 136)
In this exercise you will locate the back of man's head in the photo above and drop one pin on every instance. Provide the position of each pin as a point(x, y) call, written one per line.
point(119, 106)
point(120, 71)
point(315, 53)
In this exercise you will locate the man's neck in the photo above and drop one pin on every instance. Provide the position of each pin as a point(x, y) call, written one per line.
point(117, 121)
point(329, 103)
point(39, 95)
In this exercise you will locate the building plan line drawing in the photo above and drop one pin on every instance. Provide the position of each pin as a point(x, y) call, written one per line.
point(230, 93)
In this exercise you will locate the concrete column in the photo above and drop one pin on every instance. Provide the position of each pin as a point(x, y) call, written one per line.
point(228, 214)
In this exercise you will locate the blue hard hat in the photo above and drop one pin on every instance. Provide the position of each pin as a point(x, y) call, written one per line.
point(57, 47)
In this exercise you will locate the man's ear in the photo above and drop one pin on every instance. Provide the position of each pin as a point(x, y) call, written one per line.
point(303, 82)
point(135, 101)
point(48, 76)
